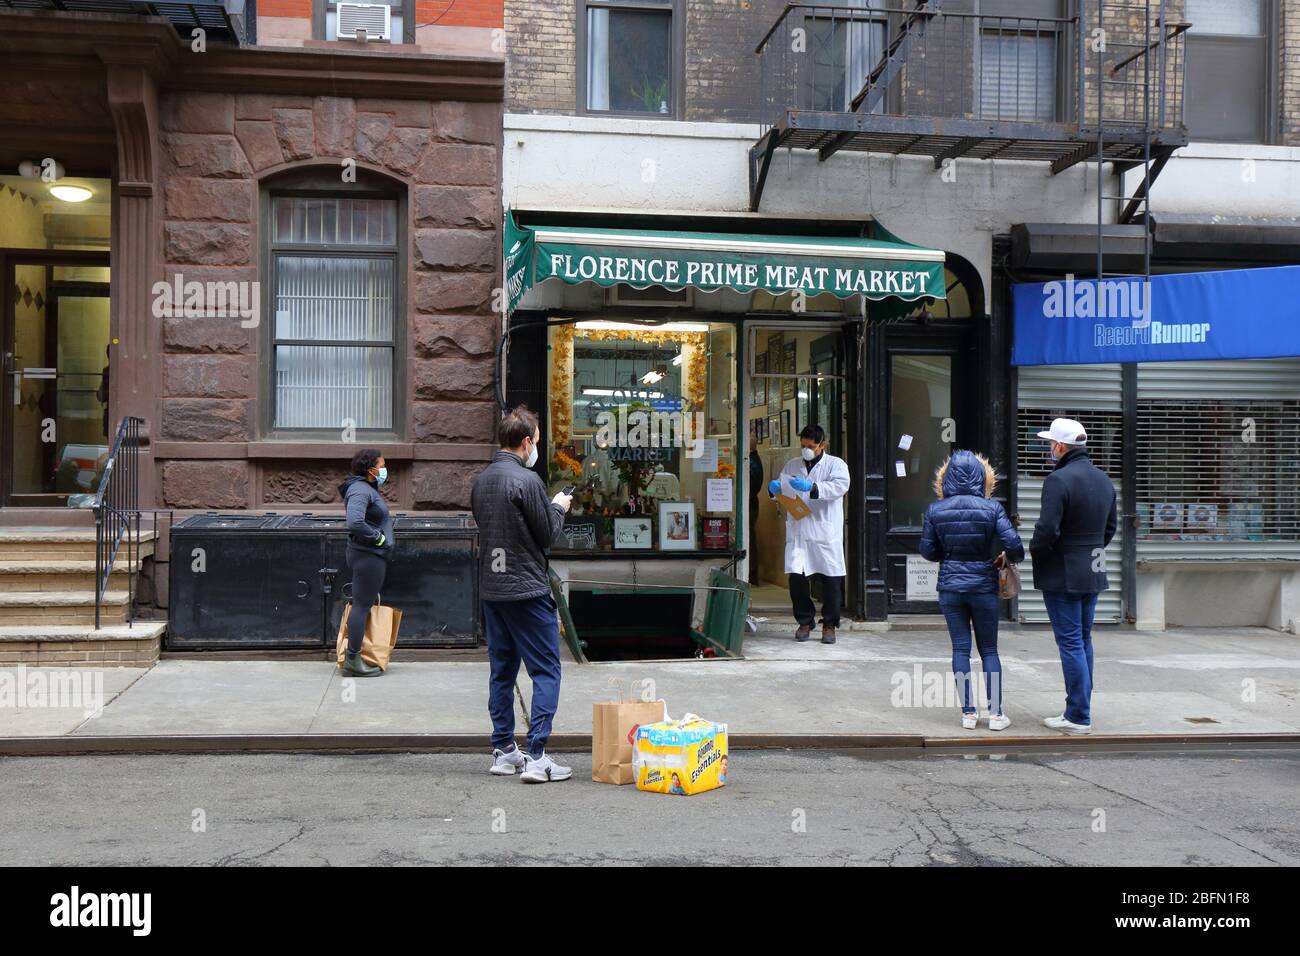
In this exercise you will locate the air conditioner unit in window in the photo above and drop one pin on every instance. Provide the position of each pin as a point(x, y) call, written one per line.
point(356, 20)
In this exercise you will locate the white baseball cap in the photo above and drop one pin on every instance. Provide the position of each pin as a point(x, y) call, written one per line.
point(1067, 431)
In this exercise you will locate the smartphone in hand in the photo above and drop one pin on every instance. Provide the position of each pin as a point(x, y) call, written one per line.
point(568, 489)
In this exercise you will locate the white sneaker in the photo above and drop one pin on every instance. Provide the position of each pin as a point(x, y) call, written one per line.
point(999, 721)
point(1068, 726)
point(544, 770)
point(505, 764)
point(969, 721)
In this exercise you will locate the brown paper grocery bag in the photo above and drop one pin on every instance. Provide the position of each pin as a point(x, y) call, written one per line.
point(380, 638)
point(613, 725)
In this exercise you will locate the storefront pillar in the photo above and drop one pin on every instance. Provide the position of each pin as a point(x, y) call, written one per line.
point(136, 253)
point(1128, 523)
point(873, 399)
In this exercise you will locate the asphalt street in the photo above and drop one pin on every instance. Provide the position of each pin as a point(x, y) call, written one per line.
point(1194, 808)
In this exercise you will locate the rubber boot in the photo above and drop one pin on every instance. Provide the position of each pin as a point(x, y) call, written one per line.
point(356, 667)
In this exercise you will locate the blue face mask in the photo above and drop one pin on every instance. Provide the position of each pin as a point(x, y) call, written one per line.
point(381, 476)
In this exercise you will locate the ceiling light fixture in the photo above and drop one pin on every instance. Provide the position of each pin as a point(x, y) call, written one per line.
point(70, 193)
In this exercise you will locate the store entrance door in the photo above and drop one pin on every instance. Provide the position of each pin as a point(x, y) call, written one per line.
point(797, 377)
point(56, 421)
point(931, 412)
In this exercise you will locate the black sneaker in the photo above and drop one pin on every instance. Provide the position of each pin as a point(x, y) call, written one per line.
point(804, 632)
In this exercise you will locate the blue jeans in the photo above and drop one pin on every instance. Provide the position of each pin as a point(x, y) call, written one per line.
point(980, 611)
point(526, 631)
point(1071, 616)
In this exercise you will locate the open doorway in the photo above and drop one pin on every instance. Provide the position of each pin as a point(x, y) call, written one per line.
point(797, 377)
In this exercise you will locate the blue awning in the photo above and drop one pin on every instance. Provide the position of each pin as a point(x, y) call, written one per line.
point(1192, 316)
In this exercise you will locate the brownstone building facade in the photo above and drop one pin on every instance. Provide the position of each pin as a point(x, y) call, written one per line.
point(189, 156)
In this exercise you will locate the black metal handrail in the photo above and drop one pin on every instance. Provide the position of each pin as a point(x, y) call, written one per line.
point(117, 514)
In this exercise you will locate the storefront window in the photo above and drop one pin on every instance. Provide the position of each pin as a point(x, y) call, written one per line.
point(642, 420)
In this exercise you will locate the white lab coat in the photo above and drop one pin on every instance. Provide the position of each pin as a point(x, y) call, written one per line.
point(815, 544)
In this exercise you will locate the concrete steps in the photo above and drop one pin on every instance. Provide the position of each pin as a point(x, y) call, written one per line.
point(47, 600)
point(75, 645)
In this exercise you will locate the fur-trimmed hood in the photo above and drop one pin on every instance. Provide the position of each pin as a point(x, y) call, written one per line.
point(965, 473)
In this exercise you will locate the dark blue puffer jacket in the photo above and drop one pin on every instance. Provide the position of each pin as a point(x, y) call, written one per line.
point(965, 529)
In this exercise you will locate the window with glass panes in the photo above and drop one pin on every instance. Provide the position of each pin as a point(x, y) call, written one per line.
point(1019, 47)
point(629, 56)
point(334, 264)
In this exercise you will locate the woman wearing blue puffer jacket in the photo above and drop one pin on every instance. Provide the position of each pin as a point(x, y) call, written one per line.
point(964, 530)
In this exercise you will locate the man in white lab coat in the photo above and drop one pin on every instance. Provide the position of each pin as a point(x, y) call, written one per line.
point(814, 545)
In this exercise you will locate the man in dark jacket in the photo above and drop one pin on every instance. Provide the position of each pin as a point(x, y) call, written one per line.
point(1075, 524)
point(516, 526)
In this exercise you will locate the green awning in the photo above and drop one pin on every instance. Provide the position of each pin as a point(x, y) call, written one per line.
point(743, 262)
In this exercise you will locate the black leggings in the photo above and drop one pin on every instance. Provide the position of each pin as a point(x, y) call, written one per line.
point(368, 572)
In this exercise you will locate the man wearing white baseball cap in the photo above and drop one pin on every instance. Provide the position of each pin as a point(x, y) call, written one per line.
point(1076, 522)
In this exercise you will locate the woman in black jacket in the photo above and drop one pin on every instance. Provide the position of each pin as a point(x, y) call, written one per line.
point(963, 530)
point(370, 545)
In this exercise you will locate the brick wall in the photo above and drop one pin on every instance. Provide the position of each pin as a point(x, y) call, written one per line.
point(217, 149)
point(541, 53)
point(1290, 55)
point(460, 13)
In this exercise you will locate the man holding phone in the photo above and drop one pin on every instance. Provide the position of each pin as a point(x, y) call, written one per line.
point(517, 525)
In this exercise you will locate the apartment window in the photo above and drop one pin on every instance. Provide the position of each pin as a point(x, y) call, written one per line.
point(845, 46)
point(1018, 60)
point(1229, 68)
point(334, 300)
point(630, 51)
point(401, 16)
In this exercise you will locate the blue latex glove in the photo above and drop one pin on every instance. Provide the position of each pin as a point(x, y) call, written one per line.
point(801, 484)
point(774, 486)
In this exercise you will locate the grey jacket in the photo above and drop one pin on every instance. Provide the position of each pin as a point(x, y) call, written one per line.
point(368, 517)
point(517, 523)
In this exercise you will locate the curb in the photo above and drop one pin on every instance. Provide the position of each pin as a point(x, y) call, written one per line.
point(878, 744)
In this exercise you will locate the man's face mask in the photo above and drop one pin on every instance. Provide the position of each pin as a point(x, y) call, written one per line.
point(532, 455)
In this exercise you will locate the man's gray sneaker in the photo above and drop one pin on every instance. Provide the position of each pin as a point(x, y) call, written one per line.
point(505, 764)
point(1068, 726)
point(544, 770)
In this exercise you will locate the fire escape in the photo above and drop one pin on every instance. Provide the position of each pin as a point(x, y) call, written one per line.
point(1103, 85)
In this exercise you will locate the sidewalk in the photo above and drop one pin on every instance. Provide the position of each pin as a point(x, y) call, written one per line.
point(1183, 682)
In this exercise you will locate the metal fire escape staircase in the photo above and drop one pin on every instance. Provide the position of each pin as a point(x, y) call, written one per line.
point(1117, 65)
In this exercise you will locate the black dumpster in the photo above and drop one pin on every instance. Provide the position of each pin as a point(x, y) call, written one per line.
point(281, 581)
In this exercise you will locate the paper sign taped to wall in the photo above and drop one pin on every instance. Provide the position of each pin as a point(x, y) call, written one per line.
point(905, 442)
point(900, 469)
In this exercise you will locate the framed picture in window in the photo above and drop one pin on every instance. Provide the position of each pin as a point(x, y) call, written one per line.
point(580, 533)
point(760, 429)
point(774, 430)
point(788, 385)
point(785, 428)
point(717, 533)
point(758, 386)
point(632, 533)
point(676, 526)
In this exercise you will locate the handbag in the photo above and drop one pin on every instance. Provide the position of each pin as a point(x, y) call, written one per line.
point(1008, 578)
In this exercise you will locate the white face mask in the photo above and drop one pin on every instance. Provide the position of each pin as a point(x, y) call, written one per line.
point(532, 457)
point(808, 454)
